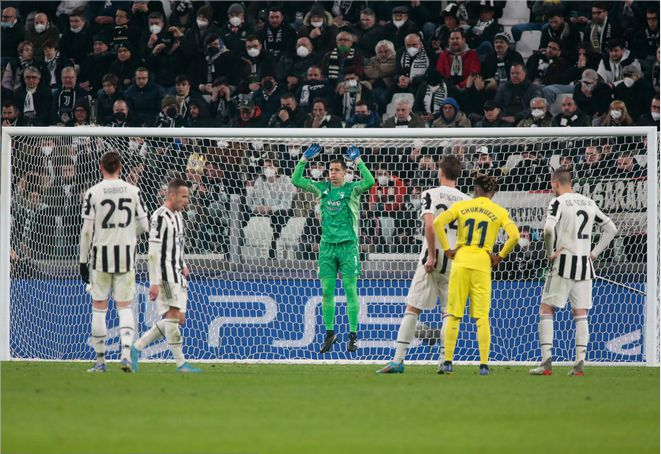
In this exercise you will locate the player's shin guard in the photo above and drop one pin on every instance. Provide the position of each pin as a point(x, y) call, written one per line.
point(99, 332)
point(405, 335)
point(351, 291)
point(173, 336)
point(451, 335)
point(546, 336)
point(154, 333)
point(126, 329)
point(582, 336)
point(328, 302)
point(484, 338)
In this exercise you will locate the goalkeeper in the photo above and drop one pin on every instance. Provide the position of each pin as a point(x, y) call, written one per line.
point(340, 203)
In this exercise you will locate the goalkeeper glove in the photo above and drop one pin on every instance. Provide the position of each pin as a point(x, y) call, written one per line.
point(352, 153)
point(85, 273)
point(312, 151)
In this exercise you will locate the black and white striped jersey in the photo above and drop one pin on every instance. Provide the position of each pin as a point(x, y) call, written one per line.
point(116, 210)
point(167, 229)
point(435, 201)
point(573, 217)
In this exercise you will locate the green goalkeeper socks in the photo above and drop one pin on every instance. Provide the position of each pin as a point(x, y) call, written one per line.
point(328, 302)
point(351, 290)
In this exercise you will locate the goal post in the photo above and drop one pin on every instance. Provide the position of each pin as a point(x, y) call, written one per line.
point(255, 296)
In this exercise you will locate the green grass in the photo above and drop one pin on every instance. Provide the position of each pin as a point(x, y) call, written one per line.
point(58, 408)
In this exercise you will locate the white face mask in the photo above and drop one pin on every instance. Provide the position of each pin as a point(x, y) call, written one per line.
point(383, 180)
point(155, 29)
point(398, 23)
point(351, 83)
point(412, 51)
point(317, 24)
point(348, 178)
point(628, 82)
point(253, 52)
point(656, 116)
point(616, 114)
point(302, 51)
point(76, 29)
point(39, 28)
point(47, 150)
point(269, 172)
point(235, 21)
point(295, 151)
point(537, 113)
point(524, 243)
point(316, 173)
point(202, 23)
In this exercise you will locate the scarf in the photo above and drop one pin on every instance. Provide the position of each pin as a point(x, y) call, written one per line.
point(349, 101)
point(341, 7)
point(479, 28)
point(595, 37)
point(28, 104)
point(562, 34)
point(651, 38)
point(65, 102)
point(415, 66)
point(273, 42)
point(402, 123)
point(52, 68)
point(211, 66)
point(434, 96)
point(336, 67)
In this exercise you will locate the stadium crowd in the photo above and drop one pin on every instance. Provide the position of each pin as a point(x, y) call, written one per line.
point(341, 64)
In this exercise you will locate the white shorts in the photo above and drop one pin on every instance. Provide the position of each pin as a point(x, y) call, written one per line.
point(558, 289)
point(120, 285)
point(172, 295)
point(426, 288)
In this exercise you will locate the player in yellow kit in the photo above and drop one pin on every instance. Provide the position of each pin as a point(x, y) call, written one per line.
point(478, 221)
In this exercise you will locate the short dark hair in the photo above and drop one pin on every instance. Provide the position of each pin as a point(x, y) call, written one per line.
point(362, 103)
point(141, 69)
point(111, 79)
point(181, 78)
point(460, 31)
point(176, 183)
point(156, 15)
point(288, 95)
point(341, 162)
point(50, 43)
point(562, 175)
point(321, 100)
point(615, 42)
point(111, 161)
point(253, 38)
point(523, 67)
point(486, 183)
point(451, 167)
point(10, 103)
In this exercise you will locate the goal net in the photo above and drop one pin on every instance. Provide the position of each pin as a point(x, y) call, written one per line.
point(252, 239)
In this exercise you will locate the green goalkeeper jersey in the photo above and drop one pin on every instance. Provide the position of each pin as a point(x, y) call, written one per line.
point(340, 206)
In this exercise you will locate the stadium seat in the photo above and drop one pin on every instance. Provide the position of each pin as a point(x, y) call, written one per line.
point(529, 42)
point(512, 161)
point(514, 13)
point(388, 229)
point(257, 234)
point(290, 237)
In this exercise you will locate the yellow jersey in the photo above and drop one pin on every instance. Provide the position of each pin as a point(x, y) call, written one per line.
point(478, 223)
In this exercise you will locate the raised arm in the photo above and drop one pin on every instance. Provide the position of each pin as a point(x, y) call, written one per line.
point(297, 178)
point(368, 180)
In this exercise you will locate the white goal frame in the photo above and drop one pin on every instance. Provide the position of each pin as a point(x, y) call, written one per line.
point(651, 346)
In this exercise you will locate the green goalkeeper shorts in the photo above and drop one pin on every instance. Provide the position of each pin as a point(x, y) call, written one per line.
point(334, 257)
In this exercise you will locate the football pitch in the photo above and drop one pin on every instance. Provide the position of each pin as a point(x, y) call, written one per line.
point(238, 408)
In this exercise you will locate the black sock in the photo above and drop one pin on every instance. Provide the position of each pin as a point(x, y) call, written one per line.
point(330, 333)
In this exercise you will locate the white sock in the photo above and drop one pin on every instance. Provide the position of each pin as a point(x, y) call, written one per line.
point(405, 335)
point(99, 333)
point(173, 336)
point(441, 357)
point(546, 335)
point(126, 329)
point(582, 336)
point(152, 335)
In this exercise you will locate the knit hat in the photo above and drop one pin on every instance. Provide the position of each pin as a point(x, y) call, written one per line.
point(206, 11)
point(317, 10)
point(235, 9)
point(453, 102)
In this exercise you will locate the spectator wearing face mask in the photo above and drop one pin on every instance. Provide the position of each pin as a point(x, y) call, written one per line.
point(318, 26)
point(611, 68)
point(539, 117)
point(634, 91)
point(121, 116)
point(591, 94)
point(363, 117)
point(412, 65)
point(292, 68)
point(41, 31)
point(451, 116)
point(342, 60)
point(255, 64)
point(272, 195)
point(400, 26)
point(617, 115)
point(430, 96)
point(527, 257)
point(267, 98)
point(650, 118)
point(169, 116)
point(236, 29)
point(76, 40)
point(570, 115)
point(11, 34)
point(194, 41)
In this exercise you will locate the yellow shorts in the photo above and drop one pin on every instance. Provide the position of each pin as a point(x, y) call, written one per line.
point(464, 283)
